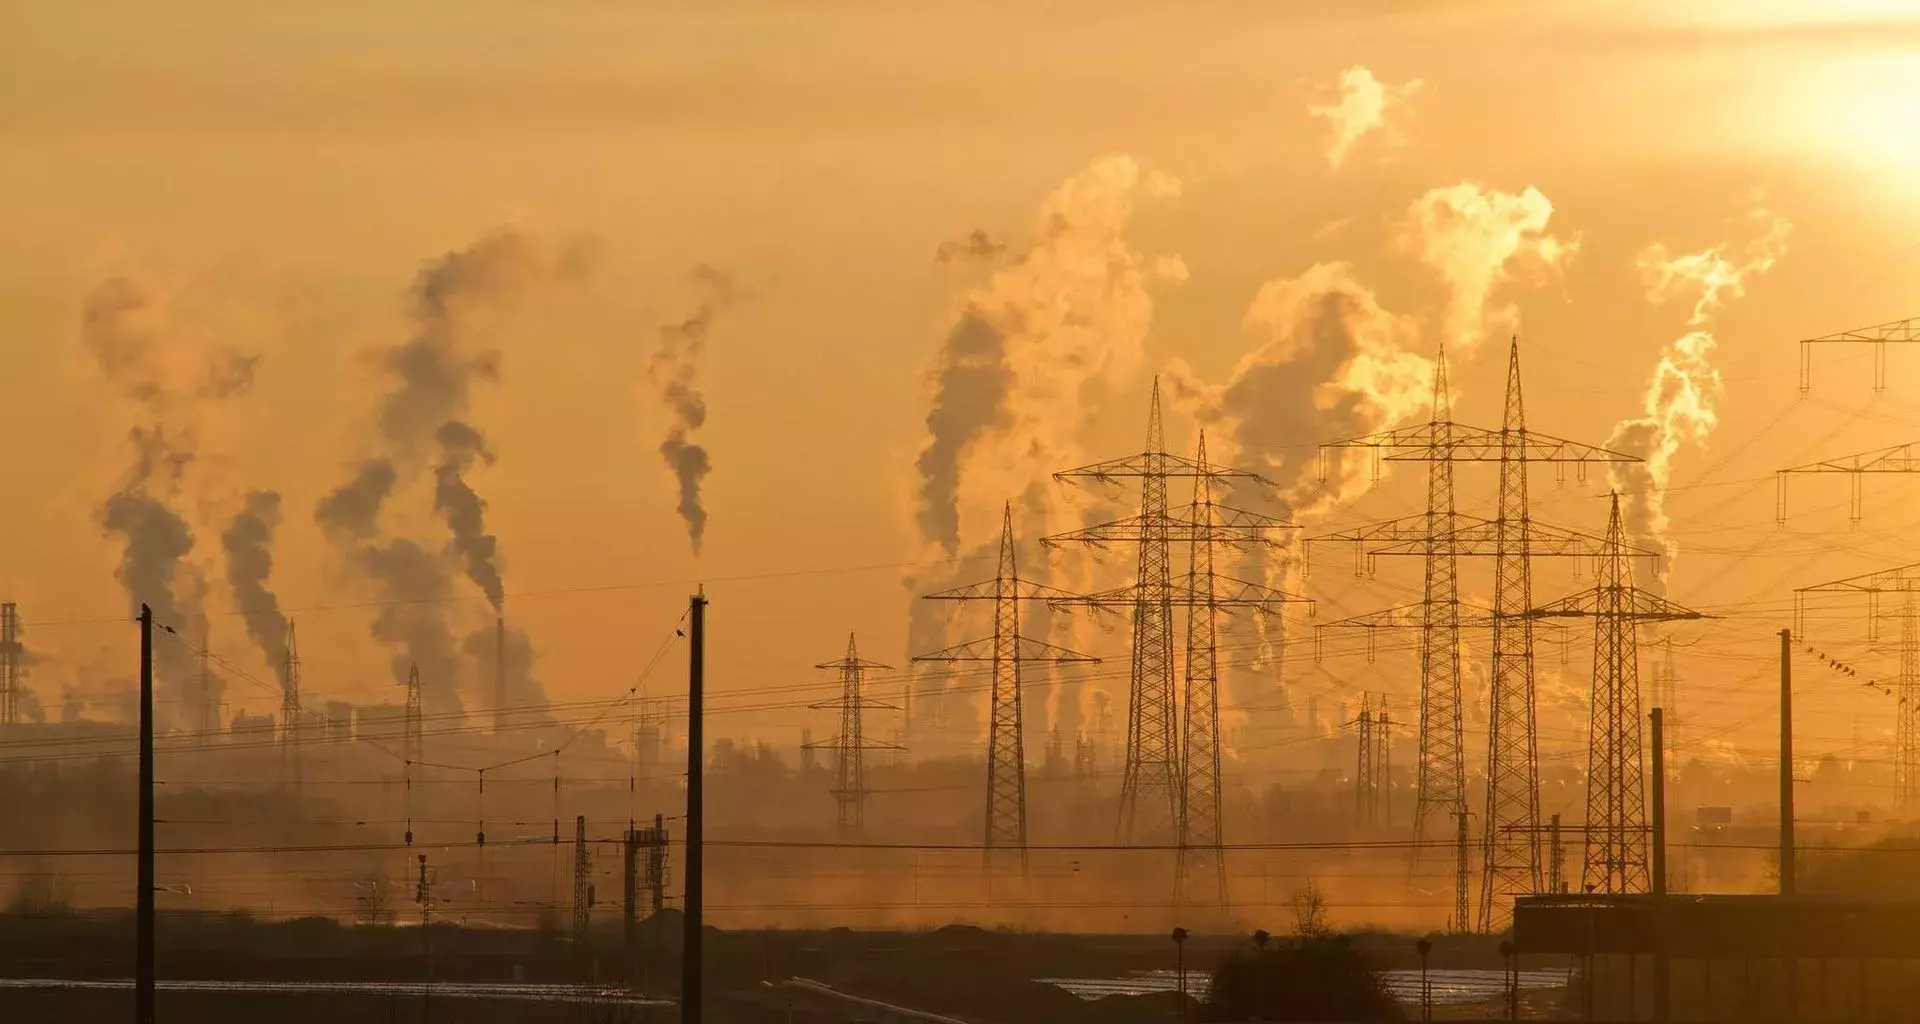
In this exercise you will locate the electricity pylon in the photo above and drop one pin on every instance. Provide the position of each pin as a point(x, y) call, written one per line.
point(1616, 859)
point(290, 706)
point(12, 664)
point(1510, 842)
point(849, 764)
point(1905, 581)
point(1206, 594)
point(1006, 650)
point(1899, 458)
point(414, 735)
point(1879, 336)
point(1151, 783)
point(1365, 799)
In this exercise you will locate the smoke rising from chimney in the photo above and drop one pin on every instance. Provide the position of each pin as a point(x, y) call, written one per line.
point(1682, 399)
point(674, 370)
point(464, 510)
point(433, 372)
point(248, 542)
point(1010, 380)
point(169, 377)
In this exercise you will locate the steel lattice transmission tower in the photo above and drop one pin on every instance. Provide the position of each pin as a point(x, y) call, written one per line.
point(13, 667)
point(413, 733)
point(582, 878)
point(1616, 860)
point(1206, 594)
point(1905, 581)
point(1510, 844)
point(849, 763)
point(1005, 651)
point(1152, 782)
point(290, 706)
point(1365, 798)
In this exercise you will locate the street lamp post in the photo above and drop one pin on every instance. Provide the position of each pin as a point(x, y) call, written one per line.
point(1426, 987)
point(1513, 981)
point(1180, 974)
point(1260, 938)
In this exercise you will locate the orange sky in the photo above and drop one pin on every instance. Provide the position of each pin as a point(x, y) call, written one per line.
point(283, 172)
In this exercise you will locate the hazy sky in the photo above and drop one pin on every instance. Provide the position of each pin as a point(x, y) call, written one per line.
point(281, 173)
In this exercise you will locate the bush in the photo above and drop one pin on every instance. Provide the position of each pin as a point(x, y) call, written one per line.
point(1318, 978)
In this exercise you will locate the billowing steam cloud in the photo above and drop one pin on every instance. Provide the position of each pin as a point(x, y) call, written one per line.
point(1682, 399)
point(434, 371)
point(1010, 379)
point(248, 541)
point(1331, 362)
point(673, 370)
point(1362, 108)
point(1477, 237)
point(169, 378)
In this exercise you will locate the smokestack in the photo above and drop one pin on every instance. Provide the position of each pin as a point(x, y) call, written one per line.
point(499, 673)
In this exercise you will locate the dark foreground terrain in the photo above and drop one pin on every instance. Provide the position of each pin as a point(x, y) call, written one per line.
point(445, 972)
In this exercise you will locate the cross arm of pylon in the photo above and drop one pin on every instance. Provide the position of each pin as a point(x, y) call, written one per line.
point(1409, 616)
point(1481, 538)
point(1183, 525)
point(1029, 650)
point(1900, 579)
point(1623, 602)
point(1879, 335)
point(1162, 464)
point(833, 743)
point(1474, 444)
point(847, 663)
point(1899, 458)
point(1229, 592)
point(989, 590)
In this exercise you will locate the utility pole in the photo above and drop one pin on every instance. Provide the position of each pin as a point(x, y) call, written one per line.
point(1661, 976)
point(1786, 762)
point(849, 764)
point(691, 918)
point(1616, 856)
point(657, 864)
point(1556, 856)
point(1006, 651)
point(144, 881)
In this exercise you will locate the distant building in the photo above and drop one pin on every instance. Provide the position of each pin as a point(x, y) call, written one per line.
point(380, 721)
point(253, 727)
point(338, 721)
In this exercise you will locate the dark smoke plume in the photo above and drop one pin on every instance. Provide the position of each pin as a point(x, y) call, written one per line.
point(124, 327)
point(976, 245)
point(413, 587)
point(434, 370)
point(352, 510)
point(248, 541)
point(673, 369)
point(970, 396)
point(464, 510)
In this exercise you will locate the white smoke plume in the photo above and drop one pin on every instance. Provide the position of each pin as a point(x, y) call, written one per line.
point(1011, 377)
point(1476, 238)
point(1330, 362)
point(674, 370)
point(169, 376)
point(1362, 108)
point(1681, 403)
point(433, 372)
